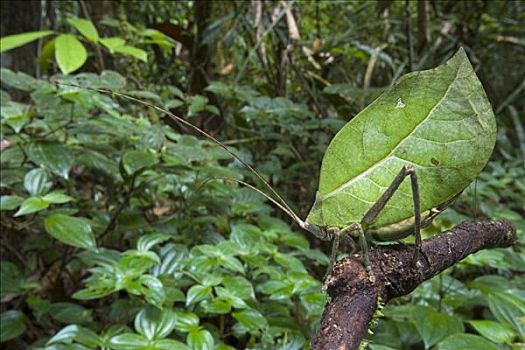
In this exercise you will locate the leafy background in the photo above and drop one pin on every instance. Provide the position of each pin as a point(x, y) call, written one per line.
point(118, 228)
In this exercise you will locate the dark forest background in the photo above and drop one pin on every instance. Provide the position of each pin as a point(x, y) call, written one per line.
point(114, 236)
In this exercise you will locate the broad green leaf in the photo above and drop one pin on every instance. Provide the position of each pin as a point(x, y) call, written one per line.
point(251, 319)
point(10, 202)
point(217, 306)
point(466, 342)
point(57, 198)
point(132, 51)
point(128, 341)
point(112, 43)
point(196, 293)
point(154, 323)
point(147, 242)
point(240, 286)
point(70, 313)
point(82, 335)
point(135, 160)
point(85, 27)
point(11, 41)
point(12, 325)
point(11, 279)
point(200, 339)
point(32, 205)
point(118, 45)
point(18, 80)
point(494, 331)
point(153, 290)
point(508, 308)
point(37, 181)
point(169, 344)
point(434, 326)
point(15, 115)
point(54, 156)
point(65, 335)
point(70, 53)
point(45, 59)
point(439, 121)
point(70, 230)
point(185, 321)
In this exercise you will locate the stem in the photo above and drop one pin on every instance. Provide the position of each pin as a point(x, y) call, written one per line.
point(408, 32)
point(121, 207)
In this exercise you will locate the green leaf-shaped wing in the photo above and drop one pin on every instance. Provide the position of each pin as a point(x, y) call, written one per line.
point(438, 120)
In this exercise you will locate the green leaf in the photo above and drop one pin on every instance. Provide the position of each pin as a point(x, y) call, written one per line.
point(217, 306)
point(19, 80)
point(466, 342)
point(32, 205)
point(153, 290)
point(494, 331)
point(11, 280)
point(85, 27)
point(132, 51)
point(71, 230)
point(55, 156)
point(12, 325)
point(118, 45)
point(128, 341)
point(434, 326)
point(70, 313)
point(112, 43)
point(147, 242)
point(135, 160)
point(37, 181)
point(240, 287)
point(251, 319)
point(154, 323)
point(200, 339)
point(68, 334)
point(168, 344)
point(57, 198)
point(196, 293)
point(69, 53)
point(508, 308)
point(185, 321)
point(10, 202)
point(11, 41)
point(439, 121)
point(15, 114)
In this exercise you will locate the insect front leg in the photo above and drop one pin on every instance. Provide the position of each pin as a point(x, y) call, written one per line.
point(379, 205)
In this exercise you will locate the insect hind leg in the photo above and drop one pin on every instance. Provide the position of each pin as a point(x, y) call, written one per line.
point(379, 205)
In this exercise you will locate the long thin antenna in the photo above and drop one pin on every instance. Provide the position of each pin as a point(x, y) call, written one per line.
point(285, 207)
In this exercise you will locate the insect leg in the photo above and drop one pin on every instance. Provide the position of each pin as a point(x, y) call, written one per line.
point(333, 255)
point(378, 206)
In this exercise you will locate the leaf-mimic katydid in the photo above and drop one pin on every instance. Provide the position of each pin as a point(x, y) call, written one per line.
point(435, 127)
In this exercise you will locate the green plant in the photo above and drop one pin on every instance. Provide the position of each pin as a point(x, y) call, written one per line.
point(69, 51)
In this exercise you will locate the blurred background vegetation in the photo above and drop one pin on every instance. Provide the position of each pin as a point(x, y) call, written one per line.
point(115, 236)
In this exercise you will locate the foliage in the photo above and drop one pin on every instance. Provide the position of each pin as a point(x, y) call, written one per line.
point(119, 230)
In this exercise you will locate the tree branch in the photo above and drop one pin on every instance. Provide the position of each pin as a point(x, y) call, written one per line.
point(354, 298)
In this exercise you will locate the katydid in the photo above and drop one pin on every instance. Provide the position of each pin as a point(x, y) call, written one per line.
point(435, 127)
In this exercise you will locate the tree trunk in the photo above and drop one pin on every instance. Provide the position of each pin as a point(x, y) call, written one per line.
point(20, 17)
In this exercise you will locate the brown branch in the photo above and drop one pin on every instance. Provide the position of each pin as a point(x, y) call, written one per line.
point(354, 298)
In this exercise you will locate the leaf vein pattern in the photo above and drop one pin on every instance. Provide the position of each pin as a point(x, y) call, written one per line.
point(370, 169)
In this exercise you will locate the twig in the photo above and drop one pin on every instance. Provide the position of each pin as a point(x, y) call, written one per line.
point(121, 207)
point(100, 57)
point(408, 33)
point(354, 297)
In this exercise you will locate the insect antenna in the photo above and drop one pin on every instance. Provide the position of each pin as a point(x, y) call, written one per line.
point(280, 202)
